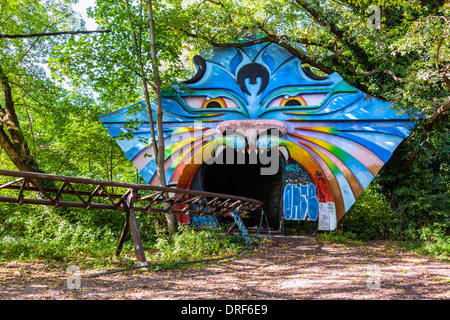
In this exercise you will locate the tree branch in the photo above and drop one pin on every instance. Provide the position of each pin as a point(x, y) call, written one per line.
point(8, 114)
point(346, 38)
point(218, 3)
point(49, 34)
point(216, 44)
point(438, 115)
point(270, 38)
point(16, 147)
point(280, 41)
point(368, 73)
point(442, 72)
point(304, 58)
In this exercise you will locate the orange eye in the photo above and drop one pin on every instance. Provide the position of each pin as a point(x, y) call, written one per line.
point(205, 102)
point(215, 103)
point(292, 101)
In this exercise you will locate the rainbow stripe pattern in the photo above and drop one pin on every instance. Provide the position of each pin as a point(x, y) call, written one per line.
point(337, 138)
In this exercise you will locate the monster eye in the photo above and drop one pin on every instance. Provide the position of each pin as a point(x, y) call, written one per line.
point(205, 102)
point(216, 103)
point(296, 101)
point(304, 100)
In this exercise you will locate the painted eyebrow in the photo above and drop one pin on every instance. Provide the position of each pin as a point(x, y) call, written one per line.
point(292, 91)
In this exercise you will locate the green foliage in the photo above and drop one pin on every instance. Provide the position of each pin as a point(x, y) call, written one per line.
point(113, 64)
point(339, 236)
point(434, 242)
point(421, 224)
point(90, 237)
point(39, 233)
point(98, 73)
point(419, 192)
point(190, 244)
point(371, 217)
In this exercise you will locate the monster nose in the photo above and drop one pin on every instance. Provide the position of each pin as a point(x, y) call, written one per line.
point(253, 131)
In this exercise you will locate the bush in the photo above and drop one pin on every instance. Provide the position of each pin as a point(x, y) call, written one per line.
point(42, 233)
point(28, 232)
point(434, 242)
point(370, 217)
point(190, 244)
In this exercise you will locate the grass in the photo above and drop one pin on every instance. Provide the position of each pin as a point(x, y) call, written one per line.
point(190, 244)
point(89, 246)
point(436, 246)
point(339, 236)
point(89, 239)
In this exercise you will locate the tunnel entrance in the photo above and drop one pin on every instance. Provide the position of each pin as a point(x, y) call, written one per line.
point(245, 179)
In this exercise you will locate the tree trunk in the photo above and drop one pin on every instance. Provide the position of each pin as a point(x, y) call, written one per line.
point(159, 156)
point(12, 139)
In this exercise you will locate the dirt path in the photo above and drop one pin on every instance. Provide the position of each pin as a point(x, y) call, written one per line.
point(291, 268)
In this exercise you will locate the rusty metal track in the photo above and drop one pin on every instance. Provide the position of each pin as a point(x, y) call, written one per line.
point(88, 192)
point(29, 188)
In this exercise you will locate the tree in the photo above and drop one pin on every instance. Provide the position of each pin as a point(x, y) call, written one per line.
point(405, 61)
point(113, 63)
point(18, 66)
point(45, 126)
point(160, 149)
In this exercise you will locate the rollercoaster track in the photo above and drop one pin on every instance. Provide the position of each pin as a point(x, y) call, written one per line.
point(29, 188)
point(176, 200)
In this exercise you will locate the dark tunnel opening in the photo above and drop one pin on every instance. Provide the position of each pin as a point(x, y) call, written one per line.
point(245, 178)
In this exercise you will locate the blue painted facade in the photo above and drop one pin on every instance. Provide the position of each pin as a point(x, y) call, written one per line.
point(335, 137)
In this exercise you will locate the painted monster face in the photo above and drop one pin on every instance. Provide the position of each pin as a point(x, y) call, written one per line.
point(331, 138)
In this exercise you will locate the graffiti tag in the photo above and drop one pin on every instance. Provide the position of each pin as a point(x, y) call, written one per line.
point(300, 201)
point(203, 221)
point(297, 168)
point(241, 226)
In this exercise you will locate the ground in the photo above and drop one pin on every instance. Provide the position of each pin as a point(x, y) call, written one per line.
point(290, 268)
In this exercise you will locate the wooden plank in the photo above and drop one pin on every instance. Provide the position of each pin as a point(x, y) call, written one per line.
point(61, 189)
point(126, 228)
point(77, 194)
point(22, 188)
point(134, 230)
point(10, 183)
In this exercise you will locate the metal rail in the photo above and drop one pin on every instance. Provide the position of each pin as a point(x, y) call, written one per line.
point(29, 188)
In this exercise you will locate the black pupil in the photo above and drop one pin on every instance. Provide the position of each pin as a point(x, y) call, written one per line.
point(213, 104)
point(292, 103)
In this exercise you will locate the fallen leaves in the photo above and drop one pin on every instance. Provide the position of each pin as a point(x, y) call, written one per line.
point(307, 270)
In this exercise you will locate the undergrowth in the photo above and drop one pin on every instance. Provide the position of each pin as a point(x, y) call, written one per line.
point(190, 244)
point(89, 237)
point(38, 233)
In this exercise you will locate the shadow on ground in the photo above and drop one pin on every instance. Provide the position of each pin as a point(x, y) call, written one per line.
point(291, 268)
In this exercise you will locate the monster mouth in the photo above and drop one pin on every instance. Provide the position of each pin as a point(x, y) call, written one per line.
point(246, 162)
point(243, 178)
point(224, 153)
point(257, 137)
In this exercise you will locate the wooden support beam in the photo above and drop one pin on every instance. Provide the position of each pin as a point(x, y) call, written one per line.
point(183, 202)
point(128, 205)
point(126, 228)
